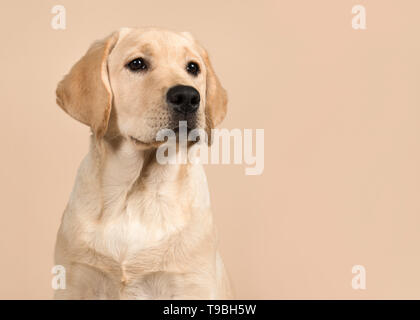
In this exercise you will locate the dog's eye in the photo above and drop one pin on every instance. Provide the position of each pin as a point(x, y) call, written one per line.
point(137, 64)
point(193, 68)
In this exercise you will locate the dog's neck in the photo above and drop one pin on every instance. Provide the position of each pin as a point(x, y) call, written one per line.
point(124, 168)
point(116, 175)
point(122, 164)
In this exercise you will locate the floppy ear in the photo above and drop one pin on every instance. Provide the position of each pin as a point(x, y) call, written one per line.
point(216, 96)
point(85, 92)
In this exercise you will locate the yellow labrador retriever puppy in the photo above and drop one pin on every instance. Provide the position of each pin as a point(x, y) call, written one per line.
point(134, 228)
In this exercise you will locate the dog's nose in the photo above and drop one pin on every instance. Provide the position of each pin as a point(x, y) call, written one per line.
point(183, 99)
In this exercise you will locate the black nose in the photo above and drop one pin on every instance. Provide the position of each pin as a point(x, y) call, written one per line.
point(183, 99)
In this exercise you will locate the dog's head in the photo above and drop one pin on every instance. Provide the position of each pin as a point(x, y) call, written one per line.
point(136, 82)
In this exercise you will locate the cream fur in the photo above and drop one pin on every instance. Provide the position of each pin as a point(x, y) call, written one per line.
point(133, 228)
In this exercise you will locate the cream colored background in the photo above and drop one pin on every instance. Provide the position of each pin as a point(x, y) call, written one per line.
point(340, 109)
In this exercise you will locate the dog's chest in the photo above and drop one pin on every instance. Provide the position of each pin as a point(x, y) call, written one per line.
point(140, 222)
point(133, 223)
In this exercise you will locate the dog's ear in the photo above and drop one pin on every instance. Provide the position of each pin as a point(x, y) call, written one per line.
point(216, 96)
point(85, 92)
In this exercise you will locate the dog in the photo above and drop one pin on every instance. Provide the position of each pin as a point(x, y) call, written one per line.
point(134, 228)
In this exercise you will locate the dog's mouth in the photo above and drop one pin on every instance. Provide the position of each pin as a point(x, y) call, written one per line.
point(145, 145)
point(137, 141)
point(180, 128)
point(184, 122)
point(187, 129)
point(181, 132)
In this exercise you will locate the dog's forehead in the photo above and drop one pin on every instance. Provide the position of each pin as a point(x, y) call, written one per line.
point(154, 41)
